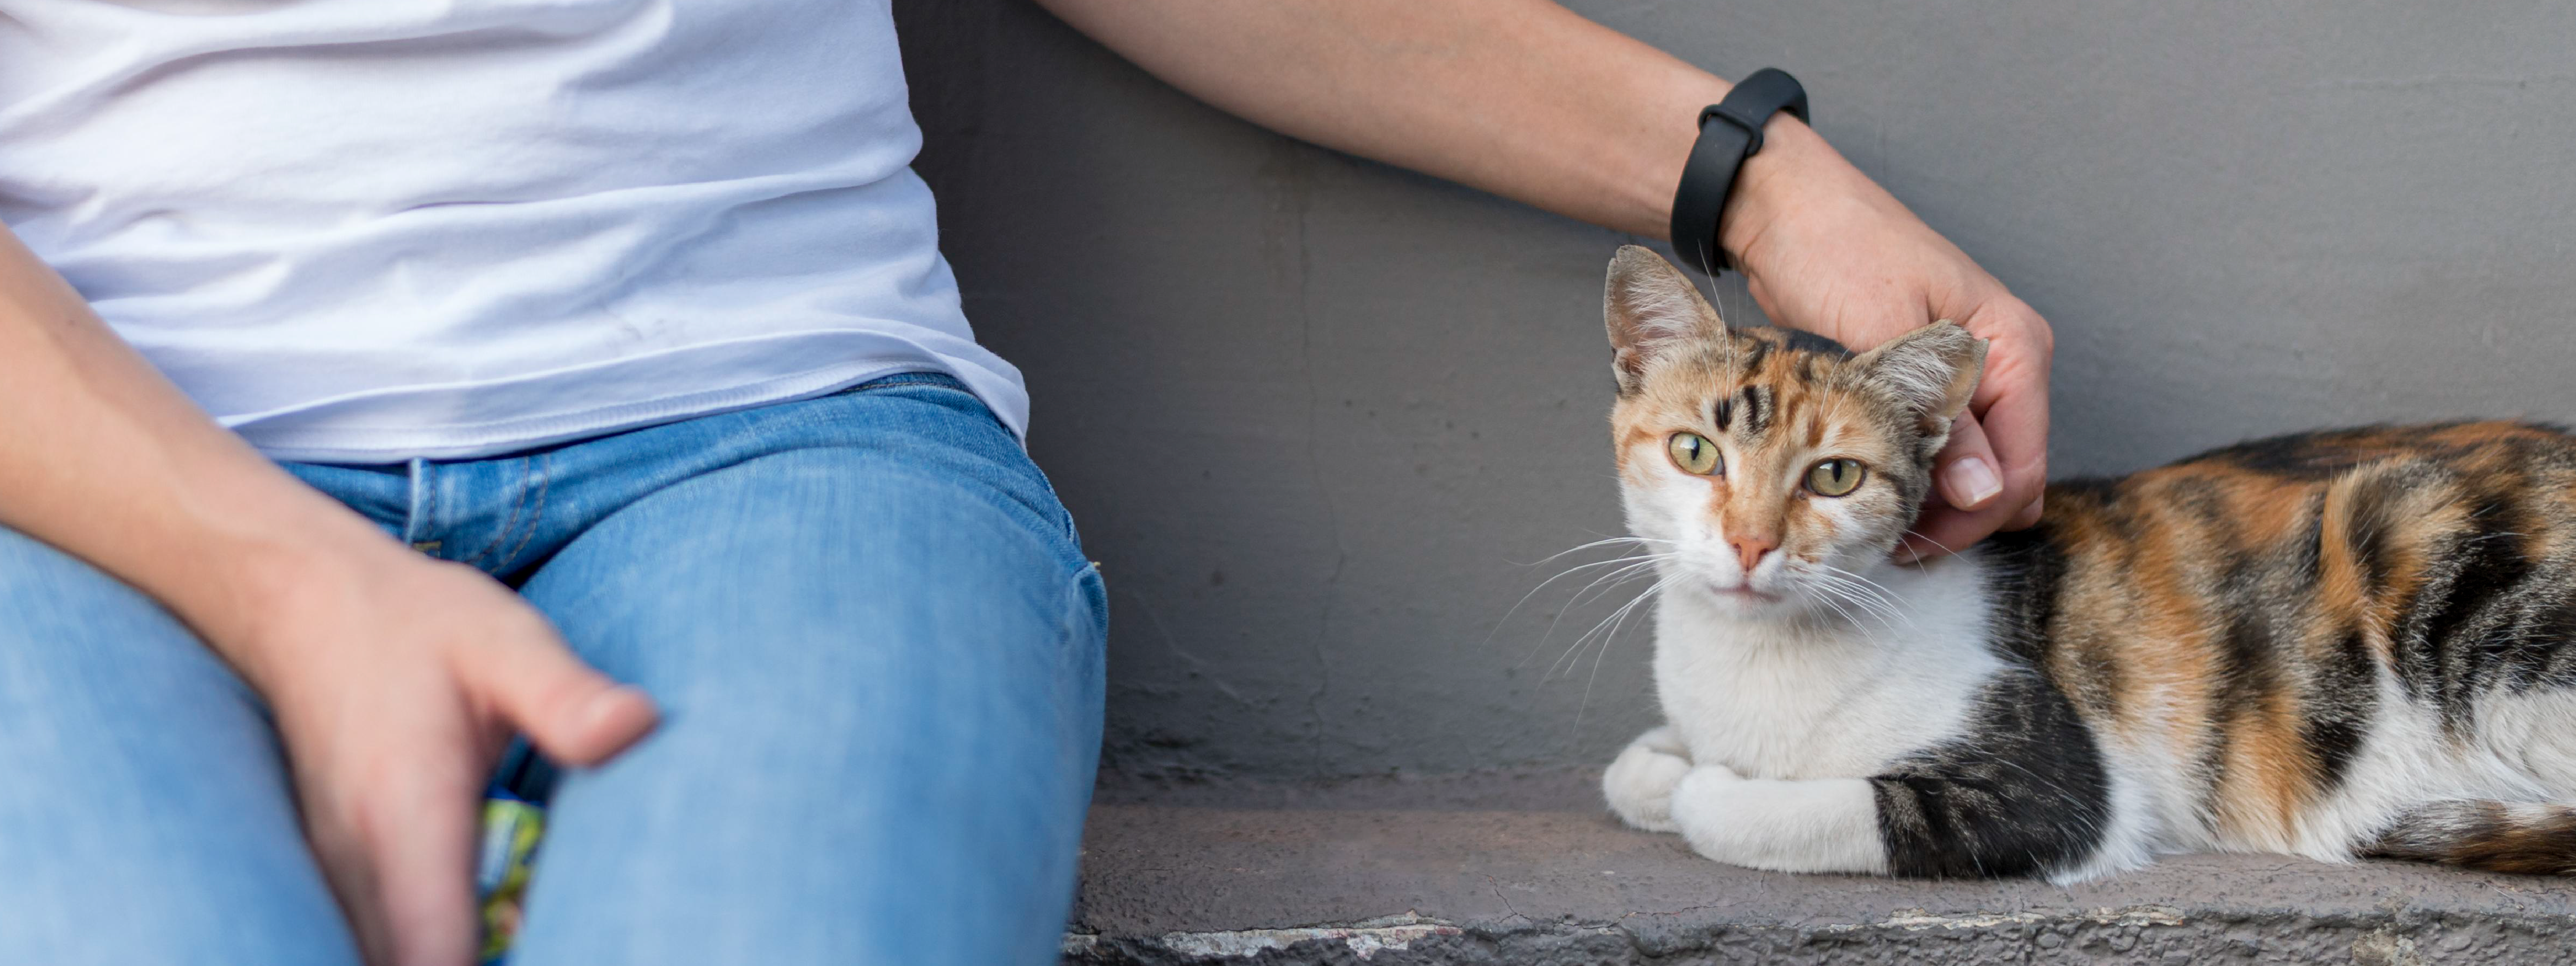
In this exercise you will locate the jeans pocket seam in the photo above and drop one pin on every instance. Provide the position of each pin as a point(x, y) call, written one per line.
point(901, 380)
point(518, 504)
point(544, 466)
point(1095, 596)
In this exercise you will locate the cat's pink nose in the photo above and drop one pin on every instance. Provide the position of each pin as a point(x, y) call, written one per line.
point(1750, 550)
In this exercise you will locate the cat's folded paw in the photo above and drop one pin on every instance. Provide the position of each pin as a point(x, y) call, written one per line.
point(1709, 775)
point(1698, 798)
point(1640, 782)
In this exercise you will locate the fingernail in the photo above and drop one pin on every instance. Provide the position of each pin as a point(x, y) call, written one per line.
point(1971, 482)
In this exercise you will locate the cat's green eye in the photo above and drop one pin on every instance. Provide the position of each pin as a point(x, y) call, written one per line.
point(1835, 477)
point(1693, 453)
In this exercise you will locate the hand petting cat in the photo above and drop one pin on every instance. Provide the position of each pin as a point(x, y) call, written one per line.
point(1530, 101)
point(1825, 249)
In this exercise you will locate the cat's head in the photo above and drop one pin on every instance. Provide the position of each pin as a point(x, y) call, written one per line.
point(1767, 460)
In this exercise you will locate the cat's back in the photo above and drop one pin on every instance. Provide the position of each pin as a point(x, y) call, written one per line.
point(2266, 621)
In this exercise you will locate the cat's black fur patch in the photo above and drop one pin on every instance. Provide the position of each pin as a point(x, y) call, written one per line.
point(2027, 567)
point(1804, 341)
point(2300, 456)
point(2022, 791)
point(2244, 668)
point(2466, 615)
point(2343, 699)
point(2375, 516)
point(2342, 693)
point(2550, 661)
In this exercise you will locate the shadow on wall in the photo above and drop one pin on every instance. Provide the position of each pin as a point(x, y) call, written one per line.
point(1319, 417)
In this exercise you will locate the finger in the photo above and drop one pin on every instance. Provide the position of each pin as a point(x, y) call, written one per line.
point(392, 826)
point(421, 831)
point(352, 877)
point(1966, 469)
point(1946, 530)
point(574, 714)
point(2019, 437)
point(2029, 515)
point(2015, 417)
point(1914, 547)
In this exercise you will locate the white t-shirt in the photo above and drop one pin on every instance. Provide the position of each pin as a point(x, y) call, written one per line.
point(370, 230)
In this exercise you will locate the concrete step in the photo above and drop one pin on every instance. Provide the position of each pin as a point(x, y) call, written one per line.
point(1527, 868)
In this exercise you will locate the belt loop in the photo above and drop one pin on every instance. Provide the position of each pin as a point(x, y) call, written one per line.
point(424, 508)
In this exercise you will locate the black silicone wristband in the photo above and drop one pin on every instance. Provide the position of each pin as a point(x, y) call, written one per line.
point(1709, 175)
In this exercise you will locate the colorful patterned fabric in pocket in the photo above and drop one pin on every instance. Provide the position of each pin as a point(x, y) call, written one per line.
point(511, 828)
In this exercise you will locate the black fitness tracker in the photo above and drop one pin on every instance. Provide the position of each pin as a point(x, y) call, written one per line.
point(1720, 153)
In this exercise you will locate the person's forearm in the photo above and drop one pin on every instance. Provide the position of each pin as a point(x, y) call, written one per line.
point(1522, 98)
point(1527, 100)
point(103, 458)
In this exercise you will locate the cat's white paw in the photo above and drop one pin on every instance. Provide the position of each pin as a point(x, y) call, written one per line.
point(1640, 782)
point(1698, 805)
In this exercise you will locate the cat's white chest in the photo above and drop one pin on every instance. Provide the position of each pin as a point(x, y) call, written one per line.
point(1799, 702)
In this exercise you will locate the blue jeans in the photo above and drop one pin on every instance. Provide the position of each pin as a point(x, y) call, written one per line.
point(871, 630)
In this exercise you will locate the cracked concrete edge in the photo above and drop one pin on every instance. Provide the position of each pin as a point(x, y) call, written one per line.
point(2141, 934)
point(1363, 939)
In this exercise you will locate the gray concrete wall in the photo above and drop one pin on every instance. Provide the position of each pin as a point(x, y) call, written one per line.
point(1318, 416)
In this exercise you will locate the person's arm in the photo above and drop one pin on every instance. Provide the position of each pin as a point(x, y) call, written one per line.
point(395, 679)
point(1527, 100)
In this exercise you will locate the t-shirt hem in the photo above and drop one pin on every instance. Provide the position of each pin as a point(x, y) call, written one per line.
point(376, 445)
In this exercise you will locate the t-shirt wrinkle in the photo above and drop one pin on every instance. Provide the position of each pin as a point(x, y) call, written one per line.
point(368, 231)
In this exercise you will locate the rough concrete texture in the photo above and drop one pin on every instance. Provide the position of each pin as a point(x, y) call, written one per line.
point(1318, 415)
point(1525, 870)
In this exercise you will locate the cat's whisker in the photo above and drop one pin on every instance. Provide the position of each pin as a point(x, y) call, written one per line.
point(1632, 566)
point(1576, 647)
point(1628, 536)
point(1877, 591)
point(1572, 651)
point(1543, 585)
point(1878, 608)
point(1917, 534)
point(1604, 651)
point(1615, 578)
point(1828, 600)
point(1887, 615)
point(1579, 548)
point(1865, 593)
point(1851, 575)
point(1820, 570)
point(1880, 600)
point(1834, 594)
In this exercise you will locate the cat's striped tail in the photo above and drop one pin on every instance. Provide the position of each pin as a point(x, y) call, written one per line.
point(2528, 838)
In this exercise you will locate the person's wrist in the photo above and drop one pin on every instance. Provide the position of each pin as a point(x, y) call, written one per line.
point(1793, 164)
point(270, 592)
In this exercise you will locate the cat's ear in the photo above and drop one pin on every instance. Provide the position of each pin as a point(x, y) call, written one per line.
point(1933, 369)
point(1650, 307)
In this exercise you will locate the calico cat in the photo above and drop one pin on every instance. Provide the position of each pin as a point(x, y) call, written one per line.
point(2331, 645)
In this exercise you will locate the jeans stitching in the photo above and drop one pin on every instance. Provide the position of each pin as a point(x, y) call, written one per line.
point(517, 503)
point(940, 379)
point(544, 465)
point(1076, 600)
point(426, 503)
